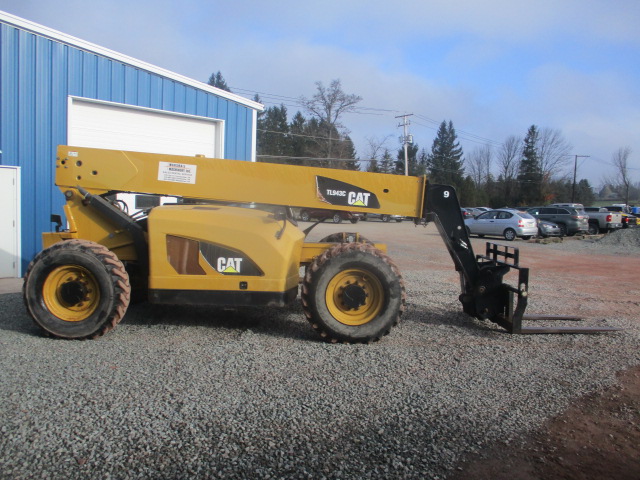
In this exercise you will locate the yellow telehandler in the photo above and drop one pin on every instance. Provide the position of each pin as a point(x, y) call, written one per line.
point(210, 248)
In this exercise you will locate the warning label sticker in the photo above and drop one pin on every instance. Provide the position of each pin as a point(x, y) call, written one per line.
point(177, 172)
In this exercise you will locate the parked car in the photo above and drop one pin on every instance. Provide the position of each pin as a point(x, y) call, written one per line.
point(336, 216)
point(548, 229)
point(628, 220)
point(475, 211)
point(383, 216)
point(466, 213)
point(602, 220)
point(569, 219)
point(508, 223)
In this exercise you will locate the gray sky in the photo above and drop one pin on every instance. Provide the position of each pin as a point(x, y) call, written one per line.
point(493, 67)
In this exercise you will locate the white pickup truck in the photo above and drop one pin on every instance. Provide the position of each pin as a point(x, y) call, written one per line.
point(602, 220)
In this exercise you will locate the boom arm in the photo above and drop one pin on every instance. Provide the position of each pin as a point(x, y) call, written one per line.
point(101, 171)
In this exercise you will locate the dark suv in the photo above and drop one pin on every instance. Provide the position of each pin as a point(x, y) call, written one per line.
point(336, 216)
point(569, 219)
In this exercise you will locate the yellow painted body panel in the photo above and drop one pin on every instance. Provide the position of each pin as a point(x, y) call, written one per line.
point(252, 232)
point(99, 171)
point(86, 224)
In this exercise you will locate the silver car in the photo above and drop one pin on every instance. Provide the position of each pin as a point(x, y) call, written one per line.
point(505, 222)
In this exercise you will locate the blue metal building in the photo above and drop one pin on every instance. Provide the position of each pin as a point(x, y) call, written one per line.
point(53, 86)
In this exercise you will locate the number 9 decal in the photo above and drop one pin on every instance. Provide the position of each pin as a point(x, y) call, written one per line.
point(446, 194)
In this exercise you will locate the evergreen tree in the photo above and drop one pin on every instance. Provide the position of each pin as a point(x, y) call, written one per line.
point(412, 154)
point(299, 141)
point(467, 192)
point(423, 159)
point(530, 172)
point(386, 164)
point(348, 151)
point(274, 135)
point(218, 81)
point(445, 164)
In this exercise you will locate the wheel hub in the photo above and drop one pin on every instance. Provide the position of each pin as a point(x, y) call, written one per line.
point(354, 296)
point(73, 292)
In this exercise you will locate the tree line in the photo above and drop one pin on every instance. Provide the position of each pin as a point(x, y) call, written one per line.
point(521, 171)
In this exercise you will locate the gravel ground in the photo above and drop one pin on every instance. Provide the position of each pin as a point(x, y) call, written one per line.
point(177, 392)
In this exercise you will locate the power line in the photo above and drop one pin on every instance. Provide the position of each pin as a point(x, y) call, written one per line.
point(302, 135)
point(289, 157)
point(284, 100)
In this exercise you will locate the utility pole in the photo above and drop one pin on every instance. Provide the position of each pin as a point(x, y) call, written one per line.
point(406, 139)
point(575, 169)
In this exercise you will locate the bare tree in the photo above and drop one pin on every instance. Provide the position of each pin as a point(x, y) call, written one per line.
point(479, 163)
point(509, 161)
point(620, 159)
point(553, 152)
point(328, 105)
point(376, 146)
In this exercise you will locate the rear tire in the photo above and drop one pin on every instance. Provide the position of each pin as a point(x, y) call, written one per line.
point(594, 229)
point(337, 218)
point(76, 289)
point(510, 234)
point(385, 218)
point(353, 293)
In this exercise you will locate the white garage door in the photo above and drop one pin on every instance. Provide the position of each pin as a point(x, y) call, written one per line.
point(122, 127)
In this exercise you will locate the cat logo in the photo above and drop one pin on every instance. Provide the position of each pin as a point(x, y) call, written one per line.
point(229, 265)
point(358, 199)
point(335, 192)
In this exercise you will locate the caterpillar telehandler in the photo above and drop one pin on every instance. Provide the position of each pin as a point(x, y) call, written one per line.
point(211, 249)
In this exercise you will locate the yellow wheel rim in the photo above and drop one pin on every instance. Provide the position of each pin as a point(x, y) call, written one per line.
point(71, 293)
point(354, 297)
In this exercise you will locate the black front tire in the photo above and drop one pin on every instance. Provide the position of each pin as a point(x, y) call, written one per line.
point(348, 273)
point(76, 289)
point(337, 218)
point(385, 218)
point(304, 216)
